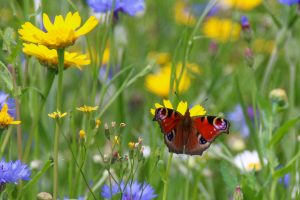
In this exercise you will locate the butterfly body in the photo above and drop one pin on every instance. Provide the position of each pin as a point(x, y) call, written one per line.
point(185, 134)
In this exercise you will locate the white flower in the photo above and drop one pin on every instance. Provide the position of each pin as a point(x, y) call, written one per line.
point(36, 164)
point(248, 161)
point(146, 151)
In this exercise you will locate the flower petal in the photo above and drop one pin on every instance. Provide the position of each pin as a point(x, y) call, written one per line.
point(197, 110)
point(47, 23)
point(87, 27)
point(152, 111)
point(167, 104)
point(182, 107)
point(157, 105)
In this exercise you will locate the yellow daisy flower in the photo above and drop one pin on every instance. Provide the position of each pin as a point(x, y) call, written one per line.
point(245, 5)
point(5, 118)
point(57, 115)
point(196, 110)
point(159, 83)
point(222, 30)
point(60, 34)
point(87, 109)
point(182, 14)
point(49, 58)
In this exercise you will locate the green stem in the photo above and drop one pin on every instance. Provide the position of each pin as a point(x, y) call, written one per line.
point(166, 181)
point(60, 53)
point(280, 39)
point(49, 81)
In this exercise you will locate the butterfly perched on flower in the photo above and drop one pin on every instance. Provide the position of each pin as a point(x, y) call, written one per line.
point(188, 131)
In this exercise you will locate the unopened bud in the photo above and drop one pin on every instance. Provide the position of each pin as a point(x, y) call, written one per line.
point(44, 196)
point(249, 57)
point(122, 124)
point(238, 194)
point(278, 99)
point(247, 31)
point(82, 134)
point(98, 123)
point(113, 124)
point(106, 131)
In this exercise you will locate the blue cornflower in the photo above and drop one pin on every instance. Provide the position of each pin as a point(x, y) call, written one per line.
point(10, 103)
point(130, 7)
point(13, 172)
point(132, 191)
point(289, 2)
point(245, 22)
point(238, 119)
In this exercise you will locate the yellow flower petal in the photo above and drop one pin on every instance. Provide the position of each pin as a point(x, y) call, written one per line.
point(5, 118)
point(87, 27)
point(152, 111)
point(167, 104)
point(182, 107)
point(59, 34)
point(49, 57)
point(197, 110)
point(157, 105)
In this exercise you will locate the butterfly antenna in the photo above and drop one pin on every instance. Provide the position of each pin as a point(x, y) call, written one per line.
point(204, 101)
point(177, 96)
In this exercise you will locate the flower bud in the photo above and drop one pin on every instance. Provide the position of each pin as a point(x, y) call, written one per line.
point(44, 196)
point(106, 131)
point(238, 194)
point(82, 134)
point(247, 31)
point(278, 99)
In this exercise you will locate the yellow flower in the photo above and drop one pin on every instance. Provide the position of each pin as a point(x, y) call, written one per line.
point(162, 58)
point(57, 115)
point(49, 58)
point(5, 118)
point(60, 34)
point(221, 30)
point(82, 134)
point(159, 83)
point(117, 139)
point(245, 5)
point(197, 110)
point(131, 145)
point(182, 14)
point(87, 109)
point(98, 123)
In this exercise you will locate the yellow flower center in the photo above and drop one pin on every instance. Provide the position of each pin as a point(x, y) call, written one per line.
point(255, 166)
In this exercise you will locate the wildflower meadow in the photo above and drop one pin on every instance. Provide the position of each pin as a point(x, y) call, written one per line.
point(149, 99)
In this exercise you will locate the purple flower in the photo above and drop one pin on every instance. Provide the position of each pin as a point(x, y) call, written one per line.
point(10, 103)
point(132, 191)
point(13, 172)
point(245, 22)
point(285, 180)
point(130, 7)
point(289, 2)
point(239, 121)
point(198, 9)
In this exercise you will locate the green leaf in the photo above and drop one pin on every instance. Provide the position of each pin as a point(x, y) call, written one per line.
point(6, 80)
point(282, 131)
point(229, 177)
point(288, 168)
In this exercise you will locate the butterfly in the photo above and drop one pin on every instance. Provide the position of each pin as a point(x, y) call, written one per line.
point(186, 134)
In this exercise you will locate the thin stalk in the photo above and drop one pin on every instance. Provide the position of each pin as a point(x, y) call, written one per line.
point(19, 131)
point(60, 53)
point(280, 39)
point(49, 81)
point(166, 181)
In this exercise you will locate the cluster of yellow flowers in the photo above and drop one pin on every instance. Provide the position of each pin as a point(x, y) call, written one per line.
point(59, 35)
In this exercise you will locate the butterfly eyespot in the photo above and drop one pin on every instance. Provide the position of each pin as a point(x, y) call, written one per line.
point(170, 136)
point(202, 140)
point(220, 123)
